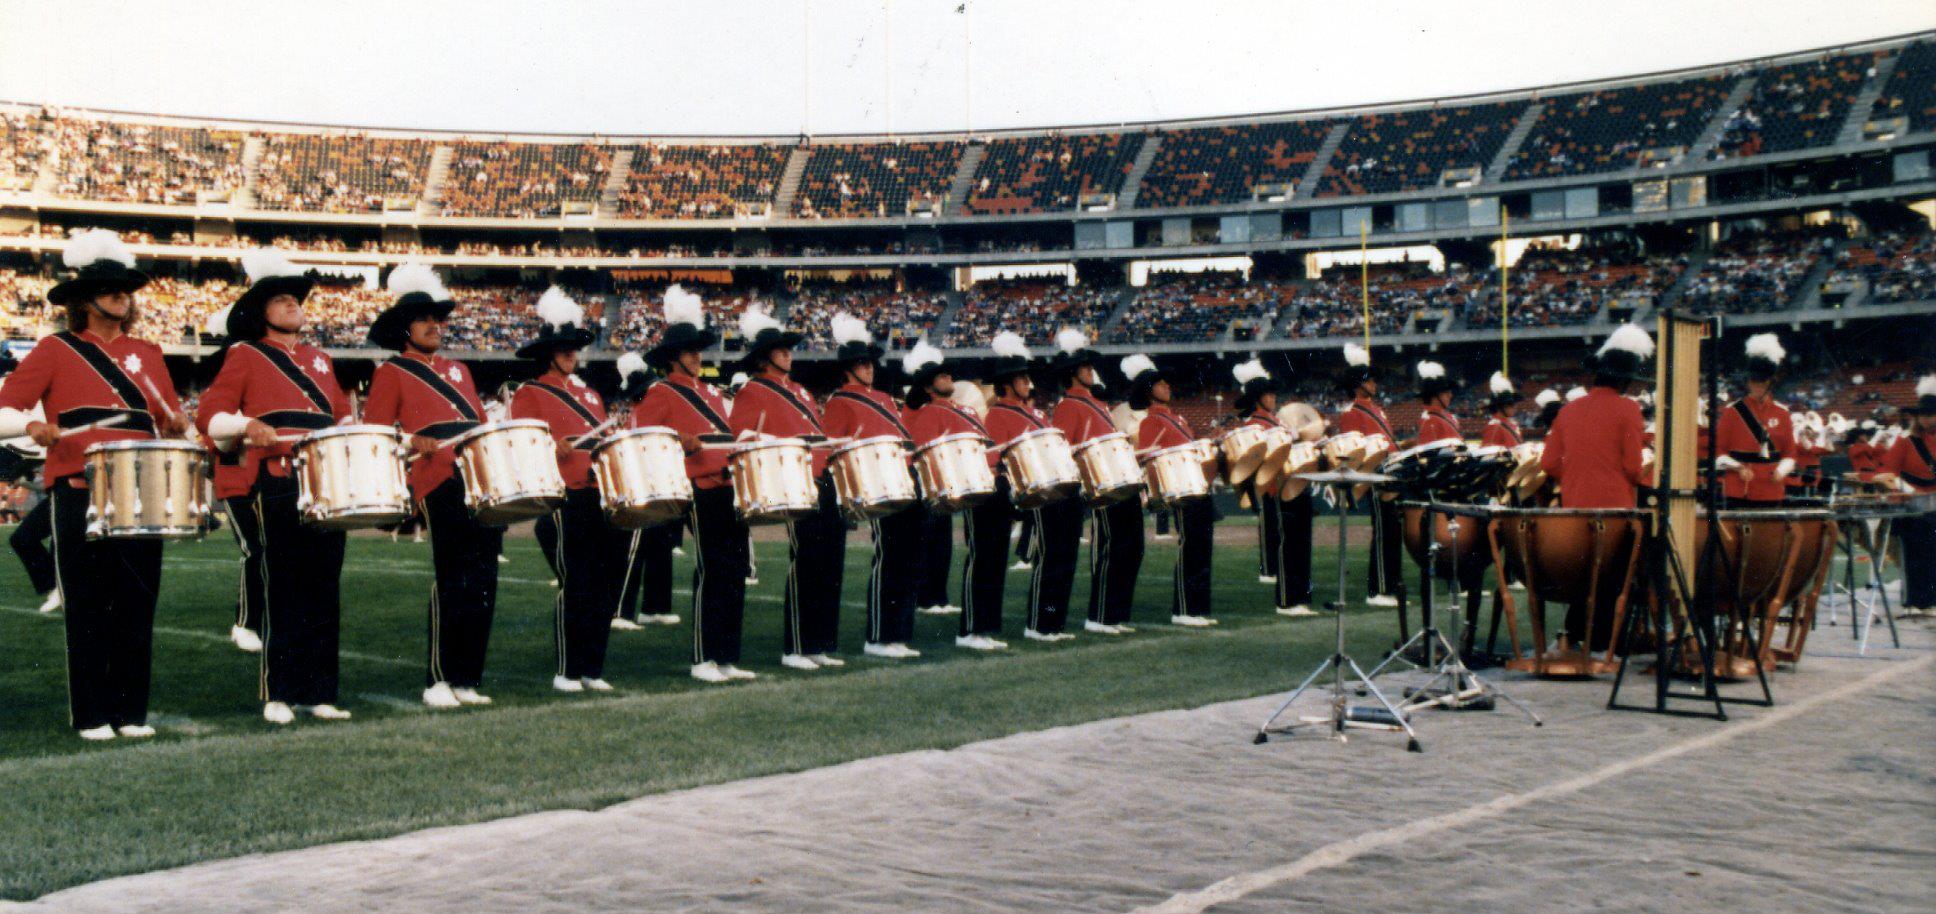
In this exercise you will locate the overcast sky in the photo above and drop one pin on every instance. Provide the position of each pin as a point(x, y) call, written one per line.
point(832, 66)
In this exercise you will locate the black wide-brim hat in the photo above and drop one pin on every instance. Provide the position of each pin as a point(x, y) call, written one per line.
point(551, 338)
point(849, 353)
point(680, 338)
point(1924, 406)
point(926, 374)
point(766, 341)
point(1066, 363)
point(97, 278)
point(1352, 376)
point(1432, 387)
point(1007, 367)
point(247, 317)
point(391, 329)
point(1619, 363)
point(1253, 391)
point(1760, 369)
point(634, 386)
point(1505, 400)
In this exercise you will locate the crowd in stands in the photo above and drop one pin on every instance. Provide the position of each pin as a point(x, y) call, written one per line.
point(1035, 307)
point(21, 149)
point(127, 162)
point(898, 318)
point(1911, 91)
point(1210, 165)
point(875, 179)
point(638, 316)
point(1411, 150)
point(1798, 106)
point(1049, 173)
point(1609, 129)
point(1196, 307)
point(340, 174)
point(523, 180)
point(1760, 272)
point(1557, 286)
point(1894, 267)
point(700, 182)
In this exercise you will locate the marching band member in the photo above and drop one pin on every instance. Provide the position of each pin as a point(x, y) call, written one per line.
point(1549, 404)
point(936, 556)
point(857, 410)
point(1012, 415)
point(1366, 417)
point(645, 589)
point(1284, 527)
point(1756, 435)
point(433, 400)
point(589, 553)
point(773, 405)
point(1911, 464)
point(1117, 553)
point(694, 409)
point(1435, 388)
point(1149, 390)
point(733, 387)
point(235, 488)
point(90, 373)
point(931, 391)
point(1865, 459)
point(271, 388)
point(1502, 430)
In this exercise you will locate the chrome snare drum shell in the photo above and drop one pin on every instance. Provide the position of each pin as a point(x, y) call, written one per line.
point(773, 481)
point(351, 476)
point(510, 471)
point(1041, 468)
point(147, 489)
point(641, 477)
point(1108, 467)
point(1175, 475)
point(871, 476)
point(954, 472)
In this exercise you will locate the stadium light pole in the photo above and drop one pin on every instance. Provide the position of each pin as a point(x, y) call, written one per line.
point(1505, 309)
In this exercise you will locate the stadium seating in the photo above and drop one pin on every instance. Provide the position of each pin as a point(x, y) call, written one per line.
point(1035, 308)
point(1196, 307)
point(1755, 273)
point(1911, 92)
point(1894, 267)
point(1798, 106)
point(1211, 165)
point(897, 318)
point(1048, 173)
point(340, 174)
point(523, 179)
point(20, 149)
point(700, 182)
point(875, 179)
point(124, 162)
point(1608, 129)
point(1409, 150)
point(1558, 287)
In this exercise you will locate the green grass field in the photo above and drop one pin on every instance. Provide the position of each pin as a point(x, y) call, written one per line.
point(219, 782)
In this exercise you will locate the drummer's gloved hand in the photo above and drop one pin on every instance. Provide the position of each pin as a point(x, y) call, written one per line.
point(175, 423)
point(43, 433)
point(260, 434)
point(423, 444)
point(691, 442)
point(564, 447)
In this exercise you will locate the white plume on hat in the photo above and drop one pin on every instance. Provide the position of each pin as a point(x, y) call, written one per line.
point(683, 307)
point(850, 329)
point(1766, 346)
point(1356, 356)
point(415, 277)
point(1501, 384)
point(1136, 366)
point(1549, 395)
point(557, 309)
point(1575, 394)
point(1926, 386)
point(1010, 344)
point(921, 356)
point(1246, 372)
point(755, 319)
point(1070, 340)
point(217, 323)
point(268, 263)
point(739, 380)
point(1630, 338)
point(630, 364)
point(1430, 370)
point(94, 246)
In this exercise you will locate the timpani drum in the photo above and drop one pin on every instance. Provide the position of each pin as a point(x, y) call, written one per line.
point(148, 489)
point(1768, 558)
point(773, 481)
point(349, 477)
point(1040, 468)
point(1463, 550)
point(871, 476)
point(954, 472)
point(510, 471)
point(1107, 464)
point(1801, 588)
point(1175, 475)
point(1582, 557)
point(641, 477)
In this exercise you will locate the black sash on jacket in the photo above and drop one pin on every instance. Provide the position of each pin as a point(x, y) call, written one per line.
point(972, 420)
point(1929, 463)
point(1760, 435)
point(591, 421)
point(1033, 422)
point(792, 400)
point(700, 406)
point(283, 363)
point(435, 382)
point(105, 366)
point(884, 412)
point(1383, 426)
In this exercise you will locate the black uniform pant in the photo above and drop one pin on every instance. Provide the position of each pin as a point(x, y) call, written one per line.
point(1270, 537)
point(647, 584)
point(817, 547)
point(29, 541)
point(1387, 548)
point(1058, 528)
point(1918, 536)
point(937, 557)
point(248, 541)
point(984, 572)
point(590, 555)
point(1294, 522)
point(464, 553)
point(108, 588)
point(1115, 558)
point(1196, 524)
point(1026, 537)
point(302, 571)
point(718, 576)
point(892, 579)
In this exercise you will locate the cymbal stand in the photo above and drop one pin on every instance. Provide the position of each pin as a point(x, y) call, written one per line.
point(1864, 624)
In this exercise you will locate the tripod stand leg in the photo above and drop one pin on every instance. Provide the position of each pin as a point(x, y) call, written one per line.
point(1264, 729)
point(1403, 721)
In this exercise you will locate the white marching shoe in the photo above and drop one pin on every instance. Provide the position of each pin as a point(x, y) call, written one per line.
point(471, 696)
point(709, 672)
point(678, 552)
point(503, 559)
point(278, 713)
point(891, 651)
point(1267, 579)
point(979, 643)
point(247, 640)
point(939, 609)
point(1381, 600)
point(1094, 627)
point(798, 662)
point(659, 619)
point(826, 660)
point(1298, 610)
point(752, 580)
point(622, 624)
point(733, 672)
point(1193, 621)
point(53, 602)
point(441, 696)
point(595, 684)
point(98, 734)
point(1020, 565)
point(328, 712)
point(563, 684)
point(135, 731)
point(1033, 635)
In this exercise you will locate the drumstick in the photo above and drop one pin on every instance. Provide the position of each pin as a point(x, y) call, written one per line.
point(109, 422)
point(160, 401)
point(594, 432)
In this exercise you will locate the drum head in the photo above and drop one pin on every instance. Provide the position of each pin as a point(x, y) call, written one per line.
point(1272, 468)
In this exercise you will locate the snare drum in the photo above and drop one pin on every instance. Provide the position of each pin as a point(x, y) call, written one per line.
point(1175, 475)
point(1300, 457)
point(510, 471)
point(351, 476)
point(1107, 464)
point(954, 472)
point(147, 489)
point(1040, 468)
point(1343, 450)
point(871, 476)
point(641, 477)
point(1244, 449)
point(773, 481)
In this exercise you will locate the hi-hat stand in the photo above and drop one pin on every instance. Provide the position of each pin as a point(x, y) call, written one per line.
point(1342, 715)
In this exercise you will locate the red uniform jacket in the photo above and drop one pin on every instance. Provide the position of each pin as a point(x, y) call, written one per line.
point(1593, 450)
point(1437, 425)
point(571, 409)
point(1162, 428)
point(1864, 458)
point(425, 395)
point(1905, 460)
point(940, 418)
point(291, 388)
point(1082, 417)
point(1502, 431)
point(80, 378)
point(1737, 440)
point(859, 411)
point(689, 406)
point(1008, 420)
point(779, 409)
point(1808, 467)
point(1366, 418)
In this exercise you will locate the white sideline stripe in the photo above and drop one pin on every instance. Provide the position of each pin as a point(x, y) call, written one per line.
point(1342, 852)
point(224, 639)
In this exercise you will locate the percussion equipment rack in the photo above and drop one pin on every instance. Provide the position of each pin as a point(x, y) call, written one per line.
point(1859, 509)
point(1342, 716)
